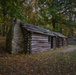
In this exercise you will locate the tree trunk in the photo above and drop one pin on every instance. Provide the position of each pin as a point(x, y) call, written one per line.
point(53, 23)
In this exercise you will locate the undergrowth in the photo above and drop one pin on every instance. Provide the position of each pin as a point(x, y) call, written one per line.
point(45, 63)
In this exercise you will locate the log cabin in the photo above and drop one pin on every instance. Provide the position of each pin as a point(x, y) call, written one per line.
point(37, 39)
point(61, 40)
point(27, 38)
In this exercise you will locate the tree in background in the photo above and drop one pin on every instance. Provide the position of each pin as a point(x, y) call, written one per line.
point(9, 9)
point(61, 13)
point(56, 15)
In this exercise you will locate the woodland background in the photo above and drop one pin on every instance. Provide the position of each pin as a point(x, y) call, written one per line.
point(55, 15)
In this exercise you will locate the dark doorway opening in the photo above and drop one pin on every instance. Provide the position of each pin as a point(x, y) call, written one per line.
point(51, 42)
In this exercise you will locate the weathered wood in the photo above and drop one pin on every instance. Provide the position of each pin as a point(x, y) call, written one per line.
point(65, 41)
point(60, 42)
point(54, 42)
point(39, 43)
point(27, 36)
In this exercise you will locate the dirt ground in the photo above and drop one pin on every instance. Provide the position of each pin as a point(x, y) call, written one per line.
point(68, 49)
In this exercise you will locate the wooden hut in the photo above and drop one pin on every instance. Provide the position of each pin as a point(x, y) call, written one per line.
point(65, 42)
point(28, 38)
point(61, 40)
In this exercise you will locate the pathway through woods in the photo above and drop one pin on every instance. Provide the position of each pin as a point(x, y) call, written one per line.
point(72, 48)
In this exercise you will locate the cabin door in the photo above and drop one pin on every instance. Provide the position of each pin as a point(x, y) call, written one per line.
point(52, 42)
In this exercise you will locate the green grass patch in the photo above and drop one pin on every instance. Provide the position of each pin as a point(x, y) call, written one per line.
point(45, 63)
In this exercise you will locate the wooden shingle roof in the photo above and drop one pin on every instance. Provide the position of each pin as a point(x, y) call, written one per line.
point(59, 34)
point(37, 29)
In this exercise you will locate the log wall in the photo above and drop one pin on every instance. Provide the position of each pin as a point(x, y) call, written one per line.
point(39, 43)
point(54, 42)
point(27, 41)
point(65, 41)
point(60, 42)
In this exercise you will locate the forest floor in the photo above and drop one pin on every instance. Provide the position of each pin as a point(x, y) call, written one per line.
point(59, 61)
point(67, 49)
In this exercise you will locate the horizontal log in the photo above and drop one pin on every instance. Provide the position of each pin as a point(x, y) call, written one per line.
point(40, 42)
point(36, 36)
point(39, 39)
point(38, 45)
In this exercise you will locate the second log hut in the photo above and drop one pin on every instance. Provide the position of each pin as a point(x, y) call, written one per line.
point(27, 38)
